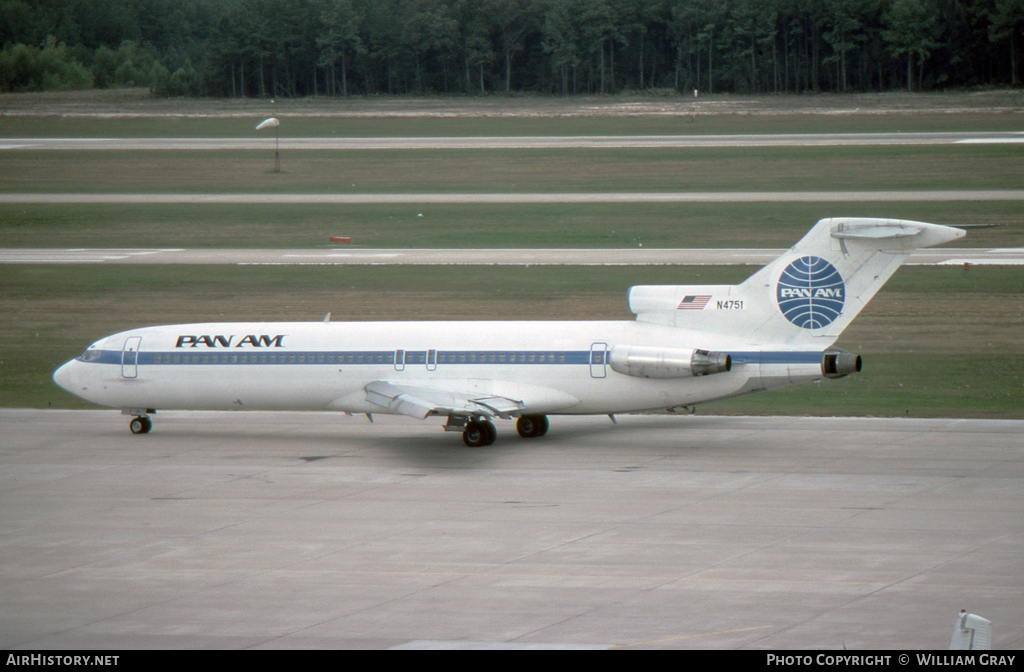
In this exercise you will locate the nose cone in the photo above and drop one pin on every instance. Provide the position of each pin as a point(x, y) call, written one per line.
point(62, 376)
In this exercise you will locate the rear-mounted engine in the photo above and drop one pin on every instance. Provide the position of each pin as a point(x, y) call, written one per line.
point(646, 362)
point(836, 363)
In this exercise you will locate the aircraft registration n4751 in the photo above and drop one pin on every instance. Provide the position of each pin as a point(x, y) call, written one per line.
point(689, 344)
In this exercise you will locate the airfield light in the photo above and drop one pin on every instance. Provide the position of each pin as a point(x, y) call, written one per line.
point(272, 122)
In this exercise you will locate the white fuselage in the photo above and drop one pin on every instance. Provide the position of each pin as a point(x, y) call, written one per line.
point(690, 344)
point(556, 367)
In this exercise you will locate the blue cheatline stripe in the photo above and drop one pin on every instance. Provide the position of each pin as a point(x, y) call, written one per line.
point(349, 357)
point(412, 357)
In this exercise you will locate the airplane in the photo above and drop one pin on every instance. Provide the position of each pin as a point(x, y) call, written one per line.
point(689, 344)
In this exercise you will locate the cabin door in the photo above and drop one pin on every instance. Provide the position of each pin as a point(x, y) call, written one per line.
point(599, 360)
point(130, 357)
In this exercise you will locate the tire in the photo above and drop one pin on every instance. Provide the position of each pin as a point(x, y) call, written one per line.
point(479, 433)
point(532, 426)
point(490, 431)
point(542, 421)
point(474, 435)
point(140, 425)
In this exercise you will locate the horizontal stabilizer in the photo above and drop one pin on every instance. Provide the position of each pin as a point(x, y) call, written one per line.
point(884, 235)
point(875, 232)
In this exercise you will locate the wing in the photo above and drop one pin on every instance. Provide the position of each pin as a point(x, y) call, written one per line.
point(419, 402)
point(468, 398)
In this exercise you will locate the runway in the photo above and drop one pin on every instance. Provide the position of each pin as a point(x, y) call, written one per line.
point(260, 142)
point(342, 256)
point(298, 530)
point(59, 198)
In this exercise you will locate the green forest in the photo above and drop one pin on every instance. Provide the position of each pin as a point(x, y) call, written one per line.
point(277, 48)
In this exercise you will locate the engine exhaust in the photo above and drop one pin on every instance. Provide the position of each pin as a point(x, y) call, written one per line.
point(836, 363)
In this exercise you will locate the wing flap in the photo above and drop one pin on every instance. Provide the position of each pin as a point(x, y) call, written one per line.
point(397, 400)
point(419, 402)
point(501, 406)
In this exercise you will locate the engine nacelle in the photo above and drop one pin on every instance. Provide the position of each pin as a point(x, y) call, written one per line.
point(836, 363)
point(646, 362)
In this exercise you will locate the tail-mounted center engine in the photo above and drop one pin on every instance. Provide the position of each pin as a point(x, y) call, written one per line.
point(646, 362)
point(836, 363)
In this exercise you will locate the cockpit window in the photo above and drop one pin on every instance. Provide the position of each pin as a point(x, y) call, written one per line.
point(90, 355)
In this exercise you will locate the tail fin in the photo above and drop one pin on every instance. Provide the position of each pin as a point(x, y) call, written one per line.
point(807, 296)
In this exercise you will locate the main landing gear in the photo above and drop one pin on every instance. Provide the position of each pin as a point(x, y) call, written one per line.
point(532, 426)
point(478, 432)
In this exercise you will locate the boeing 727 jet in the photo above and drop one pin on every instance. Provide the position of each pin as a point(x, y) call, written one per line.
point(689, 344)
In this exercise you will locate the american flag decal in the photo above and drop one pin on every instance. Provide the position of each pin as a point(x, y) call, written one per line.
point(694, 302)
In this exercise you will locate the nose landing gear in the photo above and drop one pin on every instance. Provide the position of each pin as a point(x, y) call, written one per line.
point(140, 424)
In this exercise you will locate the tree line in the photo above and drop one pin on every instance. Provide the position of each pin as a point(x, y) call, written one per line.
point(275, 48)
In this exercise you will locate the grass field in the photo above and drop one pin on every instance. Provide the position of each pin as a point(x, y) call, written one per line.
point(936, 342)
point(934, 168)
point(133, 113)
point(696, 225)
point(427, 127)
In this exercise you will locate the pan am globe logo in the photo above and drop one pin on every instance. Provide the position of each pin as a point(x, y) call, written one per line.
point(811, 293)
